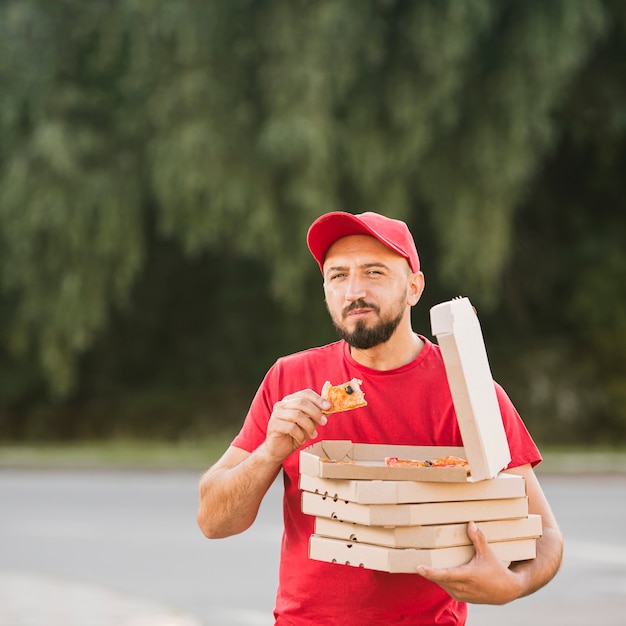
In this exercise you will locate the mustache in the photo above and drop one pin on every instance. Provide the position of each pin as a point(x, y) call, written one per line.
point(359, 304)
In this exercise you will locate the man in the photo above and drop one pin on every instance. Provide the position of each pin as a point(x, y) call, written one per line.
point(372, 279)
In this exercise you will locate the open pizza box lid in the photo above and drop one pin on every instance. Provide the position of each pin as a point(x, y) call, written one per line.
point(458, 332)
point(485, 445)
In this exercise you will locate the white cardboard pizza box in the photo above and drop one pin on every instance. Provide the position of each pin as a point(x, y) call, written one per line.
point(410, 492)
point(406, 560)
point(414, 514)
point(433, 536)
point(458, 332)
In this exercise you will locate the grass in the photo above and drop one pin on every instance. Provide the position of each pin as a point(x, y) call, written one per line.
point(583, 460)
point(115, 454)
point(200, 454)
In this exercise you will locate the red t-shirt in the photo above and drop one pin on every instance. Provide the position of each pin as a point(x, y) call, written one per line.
point(410, 405)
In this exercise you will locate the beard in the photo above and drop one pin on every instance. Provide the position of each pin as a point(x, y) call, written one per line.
point(364, 337)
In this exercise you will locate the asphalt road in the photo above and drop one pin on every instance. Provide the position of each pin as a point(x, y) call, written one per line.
point(122, 549)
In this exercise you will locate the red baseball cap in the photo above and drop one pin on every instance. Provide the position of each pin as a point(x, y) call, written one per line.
point(330, 227)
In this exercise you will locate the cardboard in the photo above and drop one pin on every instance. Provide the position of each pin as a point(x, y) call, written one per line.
point(407, 492)
point(414, 514)
point(364, 461)
point(458, 332)
point(406, 560)
point(435, 536)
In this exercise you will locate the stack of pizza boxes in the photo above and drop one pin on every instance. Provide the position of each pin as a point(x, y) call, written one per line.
point(394, 518)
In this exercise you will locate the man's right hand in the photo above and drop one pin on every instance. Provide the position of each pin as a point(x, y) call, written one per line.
point(293, 422)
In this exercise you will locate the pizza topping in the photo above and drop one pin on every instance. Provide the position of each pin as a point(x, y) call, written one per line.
point(394, 461)
point(446, 461)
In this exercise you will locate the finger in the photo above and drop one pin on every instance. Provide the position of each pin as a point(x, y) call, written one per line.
point(424, 571)
point(484, 554)
point(446, 575)
point(315, 398)
point(320, 403)
point(292, 418)
point(306, 402)
point(437, 575)
point(291, 421)
point(298, 433)
point(452, 574)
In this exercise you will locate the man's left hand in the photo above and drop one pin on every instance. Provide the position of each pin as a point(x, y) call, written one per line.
point(484, 580)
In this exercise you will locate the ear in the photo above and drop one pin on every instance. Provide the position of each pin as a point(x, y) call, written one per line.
point(416, 288)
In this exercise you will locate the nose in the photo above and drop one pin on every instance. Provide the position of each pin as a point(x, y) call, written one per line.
point(355, 289)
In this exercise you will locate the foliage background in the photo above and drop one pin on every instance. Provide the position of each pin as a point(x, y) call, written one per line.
point(160, 164)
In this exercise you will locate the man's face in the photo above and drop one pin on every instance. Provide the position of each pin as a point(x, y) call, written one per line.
point(367, 290)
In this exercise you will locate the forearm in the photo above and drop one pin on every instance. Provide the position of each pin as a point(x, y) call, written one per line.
point(232, 490)
point(534, 574)
point(537, 572)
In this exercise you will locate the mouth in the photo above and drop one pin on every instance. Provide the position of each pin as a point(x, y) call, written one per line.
point(357, 311)
point(357, 314)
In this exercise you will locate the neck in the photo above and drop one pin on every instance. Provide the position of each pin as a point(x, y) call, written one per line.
point(402, 347)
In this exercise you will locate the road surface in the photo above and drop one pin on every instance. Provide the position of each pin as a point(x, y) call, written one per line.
point(109, 548)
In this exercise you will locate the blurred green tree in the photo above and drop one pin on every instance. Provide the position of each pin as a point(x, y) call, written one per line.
point(224, 128)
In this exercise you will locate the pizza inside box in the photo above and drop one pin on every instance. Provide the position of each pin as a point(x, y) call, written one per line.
point(395, 516)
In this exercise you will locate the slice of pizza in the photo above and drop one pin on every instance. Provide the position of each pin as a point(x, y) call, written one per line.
point(451, 461)
point(394, 461)
point(446, 461)
point(343, 397)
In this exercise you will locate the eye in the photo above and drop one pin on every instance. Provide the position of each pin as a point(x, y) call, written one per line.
point(336, 276)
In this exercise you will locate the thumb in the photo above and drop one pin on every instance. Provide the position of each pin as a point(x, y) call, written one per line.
point(477, 538)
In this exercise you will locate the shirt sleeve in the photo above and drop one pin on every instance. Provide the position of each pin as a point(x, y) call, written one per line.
point(523, 448)
point(254, 429)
